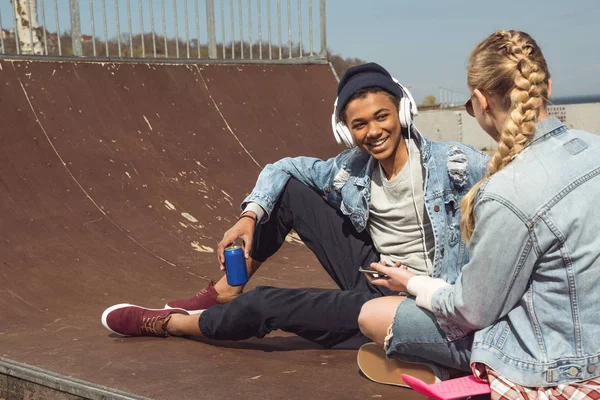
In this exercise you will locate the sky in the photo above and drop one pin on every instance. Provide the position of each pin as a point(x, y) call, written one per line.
point(424, 44)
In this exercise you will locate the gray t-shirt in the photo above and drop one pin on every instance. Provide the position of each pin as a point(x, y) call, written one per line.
point(393, 222)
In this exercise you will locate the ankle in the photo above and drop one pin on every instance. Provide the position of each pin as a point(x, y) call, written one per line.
point(173, 325)
point(252, 266)
point(223, 289)
point(183, 324)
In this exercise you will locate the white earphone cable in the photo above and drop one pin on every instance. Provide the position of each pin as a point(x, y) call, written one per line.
point(419, 219)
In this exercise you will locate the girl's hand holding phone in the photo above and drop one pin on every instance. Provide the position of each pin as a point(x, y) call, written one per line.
point(396, 279)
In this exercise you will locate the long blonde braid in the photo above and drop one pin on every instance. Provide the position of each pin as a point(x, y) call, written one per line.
point(508, 64)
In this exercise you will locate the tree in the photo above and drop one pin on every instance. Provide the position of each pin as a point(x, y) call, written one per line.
point(429, 100)
point(341, 64)
point(28, 29)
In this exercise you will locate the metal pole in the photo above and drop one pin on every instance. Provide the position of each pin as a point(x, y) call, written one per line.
point(2, 34)
point(142, 28)
point(300, 28)
point(269, 26)
point(105, 28)
point(176, 29)
point(44, 26)
point(57, 28)
point(279, 26)
point(232, 29)
point(75, 28)
point(164, 21)
point(30, 26)
point(323, 29)
point(130, 28)
point(250, 26)
point(197, 28)
point(210, 29)
point(289, 12)
point(152, 24)
point(223, 27)
point(241, 29)
point(310, 26)
point(93, 28)
point(187, 27)
point(259, 32)
point(118, 27)
point(16, 24)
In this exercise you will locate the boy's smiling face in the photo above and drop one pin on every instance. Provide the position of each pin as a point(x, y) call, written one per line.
point(374, 123)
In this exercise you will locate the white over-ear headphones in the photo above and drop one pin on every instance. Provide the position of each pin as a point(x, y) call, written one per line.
point(407, 111)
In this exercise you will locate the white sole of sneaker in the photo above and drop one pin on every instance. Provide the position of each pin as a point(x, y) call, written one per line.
point(374, 365)
point(191, 312)
point(122, 305)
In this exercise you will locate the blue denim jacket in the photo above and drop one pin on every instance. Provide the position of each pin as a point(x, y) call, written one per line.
point(451, 168)
point(535, 264)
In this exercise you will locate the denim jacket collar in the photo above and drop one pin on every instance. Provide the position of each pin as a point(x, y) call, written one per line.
point(422, 143)
point(547, 128)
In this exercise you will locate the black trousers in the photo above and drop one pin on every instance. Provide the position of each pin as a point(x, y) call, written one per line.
point(327, 317)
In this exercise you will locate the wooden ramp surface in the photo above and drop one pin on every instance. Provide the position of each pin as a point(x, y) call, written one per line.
point(116, 183)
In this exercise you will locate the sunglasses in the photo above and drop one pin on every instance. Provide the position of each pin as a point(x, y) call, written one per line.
point(469, 107)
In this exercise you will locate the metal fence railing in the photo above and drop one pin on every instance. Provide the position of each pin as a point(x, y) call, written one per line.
point(166, 29)
point(451, 98)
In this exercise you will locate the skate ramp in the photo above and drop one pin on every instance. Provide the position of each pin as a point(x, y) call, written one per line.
point(117, 180)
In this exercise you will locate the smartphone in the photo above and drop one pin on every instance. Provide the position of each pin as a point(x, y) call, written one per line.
point(374, 273)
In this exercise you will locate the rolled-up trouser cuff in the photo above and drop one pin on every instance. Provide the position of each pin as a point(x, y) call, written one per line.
point(202, 326)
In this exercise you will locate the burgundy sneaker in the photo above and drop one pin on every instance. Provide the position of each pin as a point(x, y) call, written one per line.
point(131, 320)
point(204, 299)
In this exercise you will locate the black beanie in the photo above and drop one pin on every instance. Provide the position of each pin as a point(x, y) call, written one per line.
point(364, 76)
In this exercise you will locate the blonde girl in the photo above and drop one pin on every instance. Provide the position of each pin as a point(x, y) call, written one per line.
point(523, 313)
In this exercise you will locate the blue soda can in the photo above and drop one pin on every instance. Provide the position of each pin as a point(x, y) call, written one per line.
point(235, 266)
